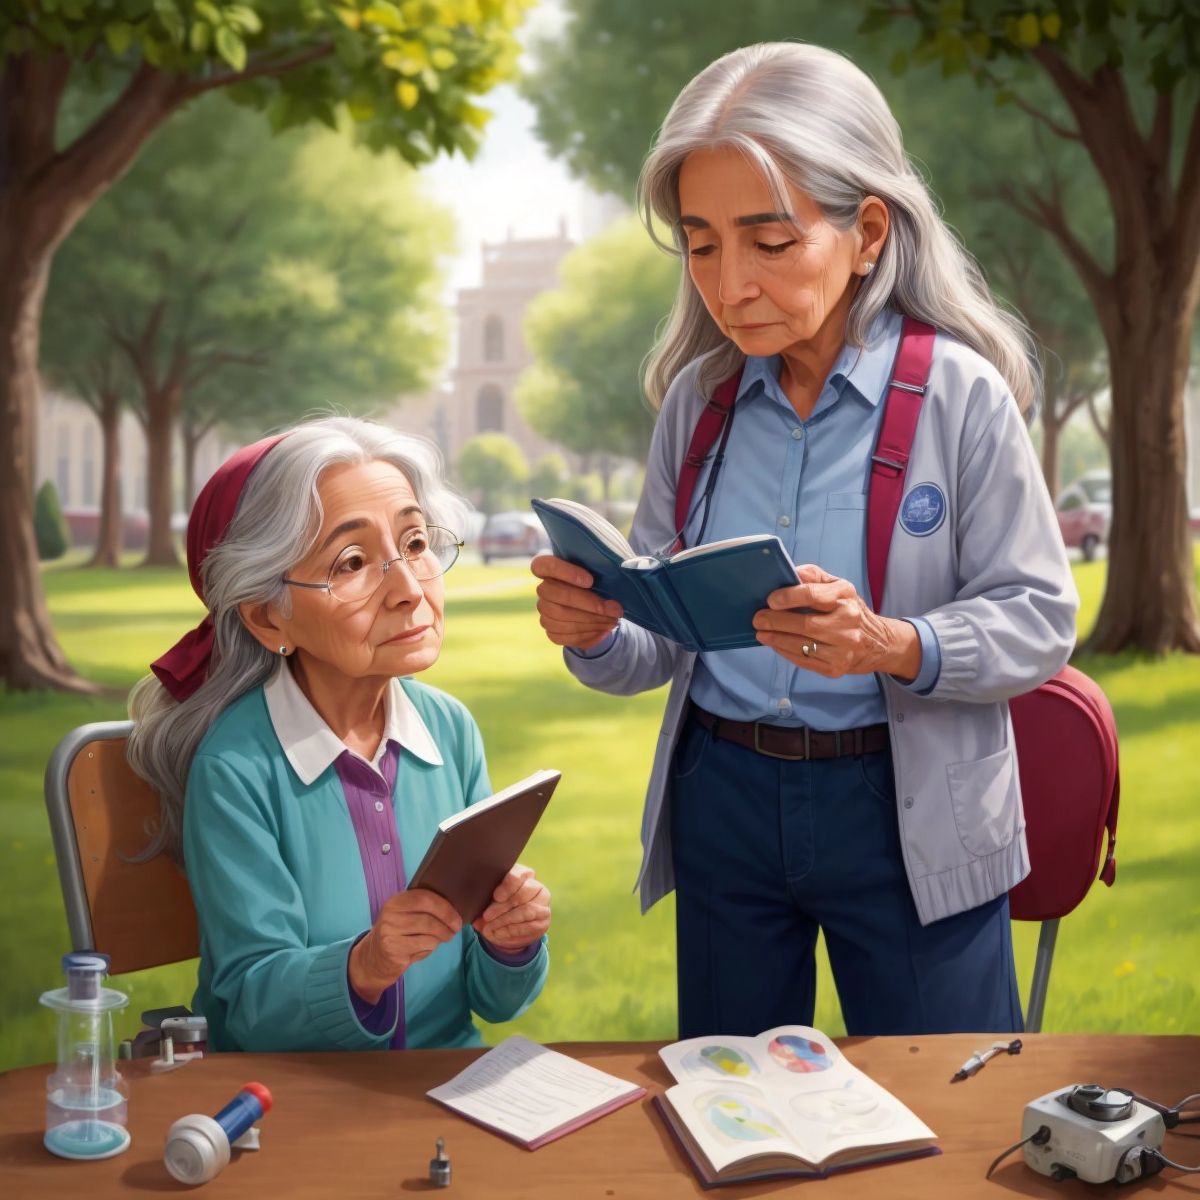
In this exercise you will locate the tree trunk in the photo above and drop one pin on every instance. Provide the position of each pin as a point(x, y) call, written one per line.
point(192, 437)
point(162, 411)
point(109, 540)
point(30, 656)
point(1051, 431)
point(44, 190)
point(1150, 598)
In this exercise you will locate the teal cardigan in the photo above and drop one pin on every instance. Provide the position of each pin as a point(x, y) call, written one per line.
point(277, 879)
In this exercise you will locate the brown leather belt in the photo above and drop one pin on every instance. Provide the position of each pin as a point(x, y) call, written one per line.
point(794, 743)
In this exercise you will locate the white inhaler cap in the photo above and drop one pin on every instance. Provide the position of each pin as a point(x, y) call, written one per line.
point(197, 1149)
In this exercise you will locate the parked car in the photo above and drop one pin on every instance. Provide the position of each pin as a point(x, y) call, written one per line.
point(84, 524)
point(1085, 511)
point(512, 535)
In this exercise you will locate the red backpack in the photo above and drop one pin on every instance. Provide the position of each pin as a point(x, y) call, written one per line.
point(1066, 735)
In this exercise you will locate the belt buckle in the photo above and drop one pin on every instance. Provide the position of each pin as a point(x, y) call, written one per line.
point(760, 749)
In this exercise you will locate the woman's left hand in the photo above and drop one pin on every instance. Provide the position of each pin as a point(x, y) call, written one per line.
point(843, 636)
point(519, 913)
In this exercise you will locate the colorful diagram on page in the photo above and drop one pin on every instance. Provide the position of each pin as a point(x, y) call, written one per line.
point(800, 1055)
point(735, 1119)
point(720, 1060)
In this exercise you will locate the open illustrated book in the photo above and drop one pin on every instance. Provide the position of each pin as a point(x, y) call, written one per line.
point(533, 1095)
point(704, 597)
point(785, 1103)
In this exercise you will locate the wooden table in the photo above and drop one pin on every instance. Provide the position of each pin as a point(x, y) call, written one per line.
point(359, 1126)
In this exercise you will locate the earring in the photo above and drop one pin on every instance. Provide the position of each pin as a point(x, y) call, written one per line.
point(868, 267)
point(283, 650)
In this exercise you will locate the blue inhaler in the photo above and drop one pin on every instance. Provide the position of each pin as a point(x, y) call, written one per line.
point(198, 1147)
point(86, 1098)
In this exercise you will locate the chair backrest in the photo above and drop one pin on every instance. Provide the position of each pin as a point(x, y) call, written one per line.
point(101, 814)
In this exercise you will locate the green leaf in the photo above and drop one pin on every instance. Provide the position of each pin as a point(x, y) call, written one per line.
point(209, 11)
point(246, 18)
point(200, 36)
point(118, 35)
point(384, 14)
point(231, 48)
point(152, 50)
point(171, 20)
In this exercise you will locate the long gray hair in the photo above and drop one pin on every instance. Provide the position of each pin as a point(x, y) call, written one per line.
point(275, 526)
point(810, 117)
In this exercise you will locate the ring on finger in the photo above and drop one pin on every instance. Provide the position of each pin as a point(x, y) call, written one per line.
point(808, 648)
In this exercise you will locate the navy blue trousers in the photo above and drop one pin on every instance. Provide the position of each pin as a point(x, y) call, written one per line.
point(766, 852)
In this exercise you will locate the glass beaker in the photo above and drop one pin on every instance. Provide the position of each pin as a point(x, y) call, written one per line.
point(86, 1097)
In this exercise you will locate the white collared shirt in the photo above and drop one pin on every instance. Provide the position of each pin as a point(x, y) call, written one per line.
point(312, 747)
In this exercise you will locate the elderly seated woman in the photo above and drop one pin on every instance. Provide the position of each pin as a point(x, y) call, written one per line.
point(303, 770)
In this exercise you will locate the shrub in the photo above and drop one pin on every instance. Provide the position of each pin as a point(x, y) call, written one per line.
point(53, 536)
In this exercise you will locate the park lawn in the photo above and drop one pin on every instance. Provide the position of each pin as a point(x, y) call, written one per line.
point(1126, 959)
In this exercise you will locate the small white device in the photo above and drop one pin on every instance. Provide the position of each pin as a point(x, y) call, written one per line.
point(1096, 1134)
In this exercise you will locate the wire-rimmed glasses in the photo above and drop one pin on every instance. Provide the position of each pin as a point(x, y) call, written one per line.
point(428, 552)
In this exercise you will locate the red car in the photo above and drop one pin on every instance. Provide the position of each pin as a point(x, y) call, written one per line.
point(1085, 512)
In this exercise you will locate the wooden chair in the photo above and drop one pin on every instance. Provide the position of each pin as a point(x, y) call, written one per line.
point(101, 814)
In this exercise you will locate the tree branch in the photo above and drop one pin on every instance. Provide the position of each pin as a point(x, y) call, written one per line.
point(1057, 128)
point(70, 182)
point(1071, 405)
point(1048, 213)
point(260, 70)
point(211, 363)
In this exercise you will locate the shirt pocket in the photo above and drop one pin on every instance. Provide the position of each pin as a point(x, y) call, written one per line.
point(986, 813)
point(843, 548)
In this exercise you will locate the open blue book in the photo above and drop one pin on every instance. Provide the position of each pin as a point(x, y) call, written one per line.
point(704, 597)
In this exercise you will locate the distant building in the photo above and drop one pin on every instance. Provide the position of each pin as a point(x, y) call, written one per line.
point(70, 451)
point(490, 354)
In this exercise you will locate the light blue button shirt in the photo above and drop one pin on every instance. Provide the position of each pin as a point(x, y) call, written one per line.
point(805, 481)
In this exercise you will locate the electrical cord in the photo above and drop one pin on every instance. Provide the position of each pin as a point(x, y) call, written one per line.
point(1172, 1115)
point(1039, 1137)
point(1174, 1165)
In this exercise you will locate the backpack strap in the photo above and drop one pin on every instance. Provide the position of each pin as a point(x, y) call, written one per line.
point(704, 436)
point(901, 408)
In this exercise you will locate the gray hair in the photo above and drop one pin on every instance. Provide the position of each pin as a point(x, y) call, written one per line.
point(810, 117)
point(275, 526)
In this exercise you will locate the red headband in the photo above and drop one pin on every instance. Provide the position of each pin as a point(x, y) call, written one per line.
point(185, 666)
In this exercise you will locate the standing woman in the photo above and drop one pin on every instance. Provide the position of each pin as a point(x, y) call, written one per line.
point(856, 772)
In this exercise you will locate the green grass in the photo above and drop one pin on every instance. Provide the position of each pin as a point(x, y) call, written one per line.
point(1126, 959)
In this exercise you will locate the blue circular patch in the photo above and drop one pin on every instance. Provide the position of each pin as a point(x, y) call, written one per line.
point(923, 510)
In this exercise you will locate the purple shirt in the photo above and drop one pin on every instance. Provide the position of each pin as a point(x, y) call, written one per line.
point(369, 799)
